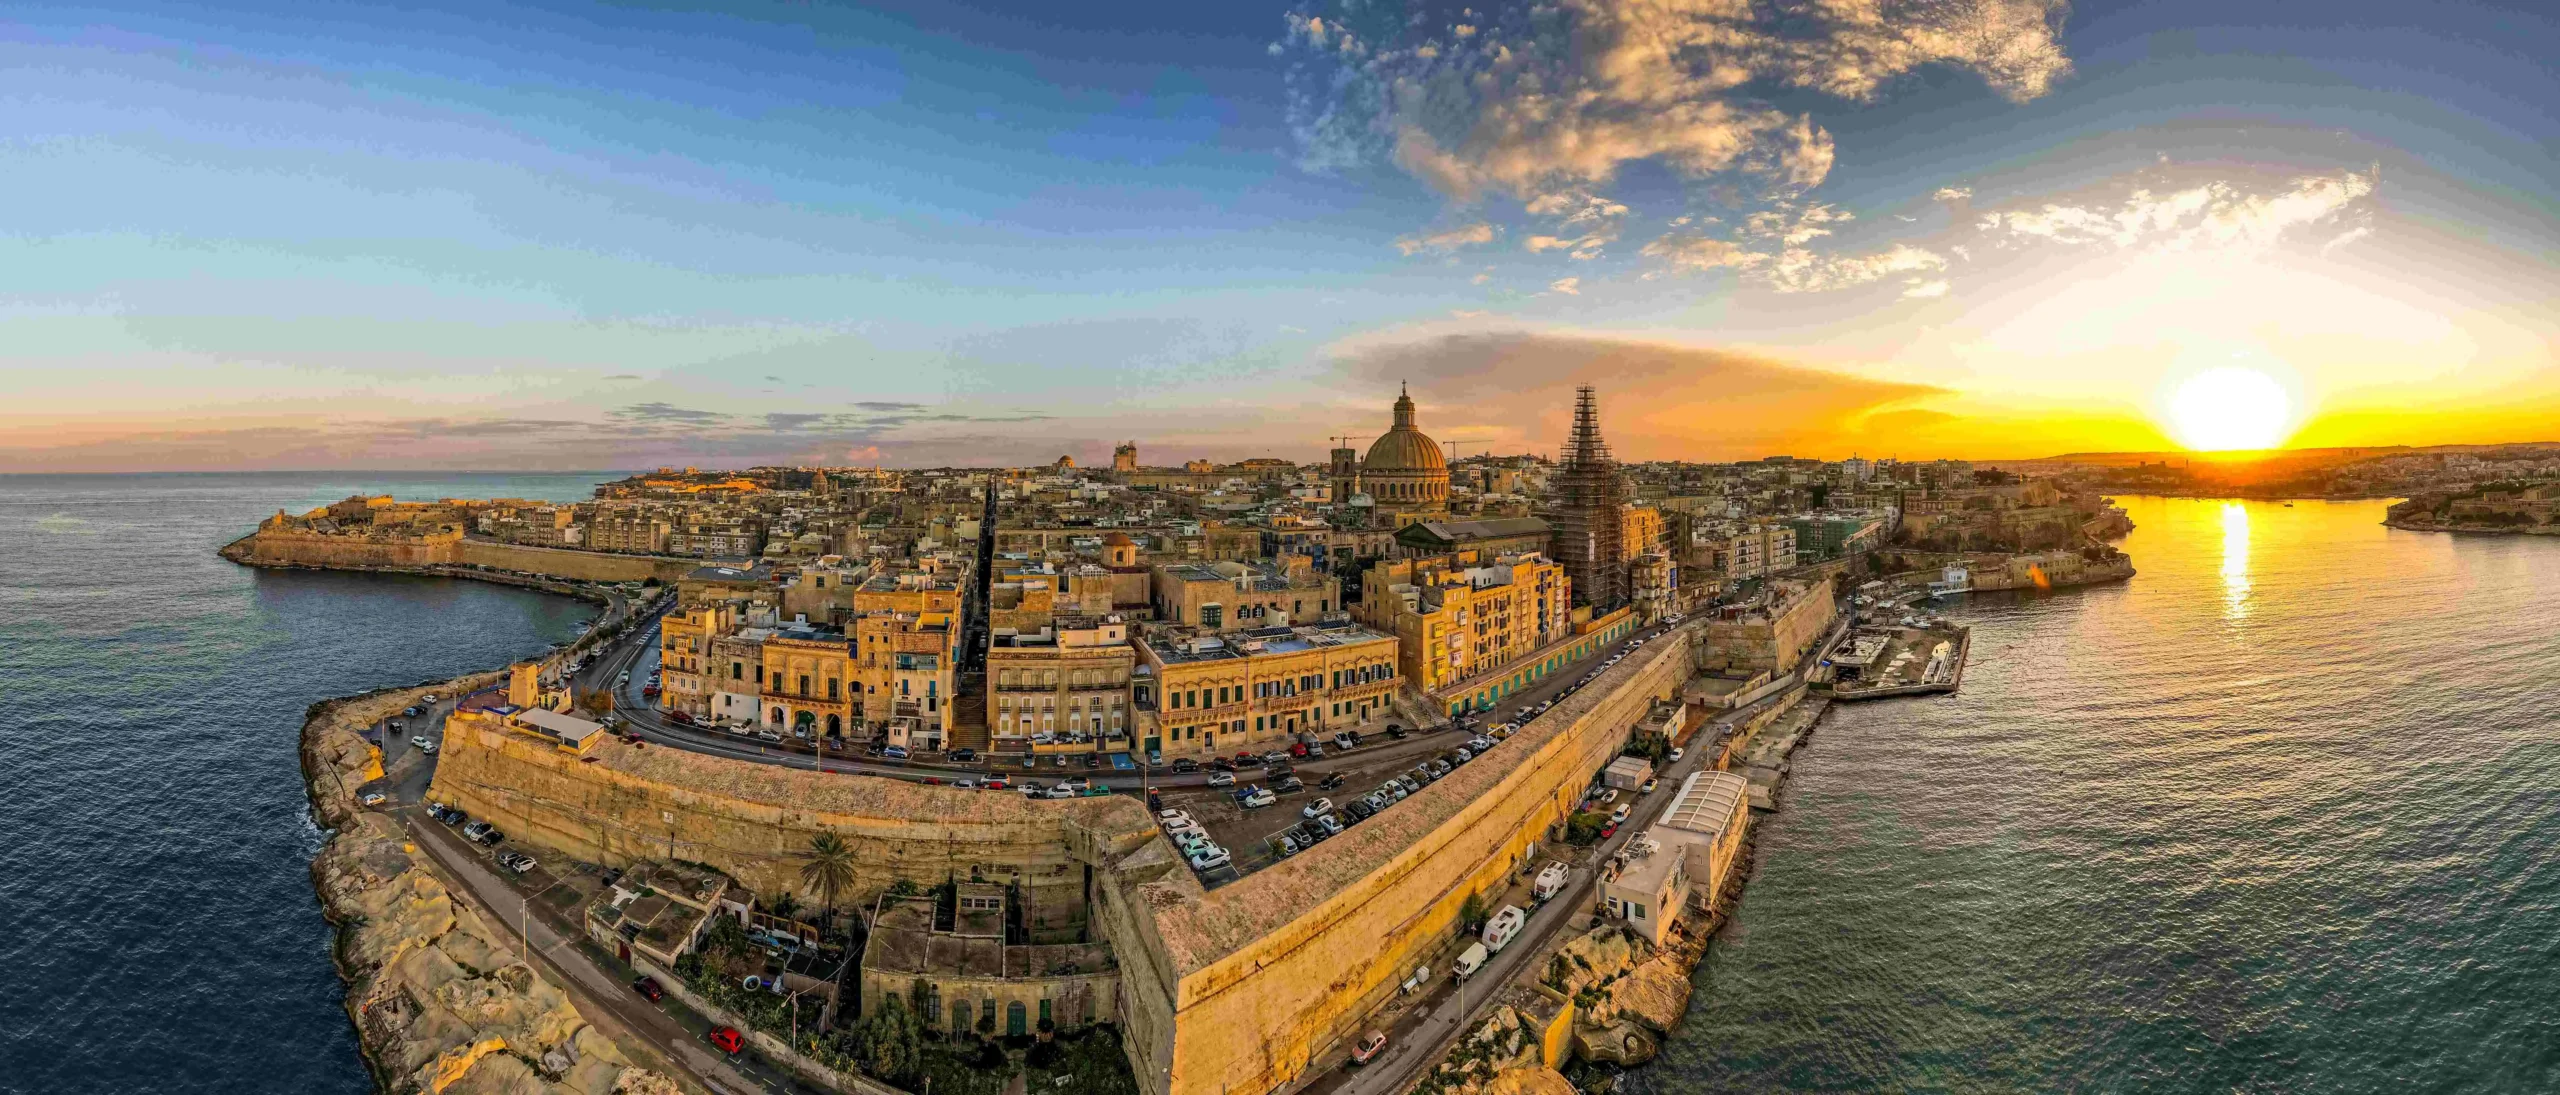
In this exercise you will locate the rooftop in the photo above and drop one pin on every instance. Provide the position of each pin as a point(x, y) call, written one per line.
point(1180, 645)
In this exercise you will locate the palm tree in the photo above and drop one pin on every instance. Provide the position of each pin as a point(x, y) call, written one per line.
point(827, 867)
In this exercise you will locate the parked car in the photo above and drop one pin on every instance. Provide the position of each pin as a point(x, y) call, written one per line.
point(454, 818)
point(1411, 785)
point(473, 830)
point(649, 989)
point(672, 716)
point(1260, 798)
point(1289, 785)
point(1396, 732)
point(1648, 787)
point(1619, 815)
point(964, 756)
point(1439, 769)
point(728, 1039)
point(1183, 816)
point(491, 837)
point(1607, 831)
point(1332, 825)
point(428, 748)
point(1319, 806)
point(1221, 764)
point(1287, 844)
point(1185, 764)
point(964, 784)
point(1222, 779)
point(1369, 1048)
point(373, 798)
point(1360, 809)
point(1331, 782)
point(1061, 790)
point(1314, 751)
point(1461, 755)
point(997, 783)
point(895, 752)
point(1298, 749)
point(413, 712)
point(421, 740)
point(1342, 741)
point(1674, 756)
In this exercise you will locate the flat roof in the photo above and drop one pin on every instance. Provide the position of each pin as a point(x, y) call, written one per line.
point(568, 728)
point(1706, 802)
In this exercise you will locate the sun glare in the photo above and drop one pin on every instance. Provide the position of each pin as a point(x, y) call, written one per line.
point(2228, 408)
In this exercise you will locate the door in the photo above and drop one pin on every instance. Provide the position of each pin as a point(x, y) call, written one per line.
point(1013, 1020)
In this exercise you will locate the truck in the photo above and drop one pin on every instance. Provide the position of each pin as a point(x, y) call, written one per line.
point(1505, 926)
point(1471, 960)
point(1550, 882)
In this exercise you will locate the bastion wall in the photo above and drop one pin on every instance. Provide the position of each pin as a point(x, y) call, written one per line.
point(1232, 990)
point(1254, 1017)
point(294, 547)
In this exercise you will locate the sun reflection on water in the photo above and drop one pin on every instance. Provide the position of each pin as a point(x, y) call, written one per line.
point(2235, 560)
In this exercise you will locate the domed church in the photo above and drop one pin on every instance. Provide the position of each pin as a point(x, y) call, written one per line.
point(1404, 468)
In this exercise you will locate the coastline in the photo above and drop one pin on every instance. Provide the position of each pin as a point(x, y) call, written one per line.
point(1622, 999)
point(437, 995)
point(2471, 530)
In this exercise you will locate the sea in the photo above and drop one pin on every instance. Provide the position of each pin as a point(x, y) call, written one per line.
point(2280, 814)
point(158, 929)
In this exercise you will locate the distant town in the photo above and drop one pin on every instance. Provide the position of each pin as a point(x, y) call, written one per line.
point(1166, 778)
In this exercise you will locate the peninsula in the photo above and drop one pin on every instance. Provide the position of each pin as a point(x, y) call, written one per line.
point(908, 778)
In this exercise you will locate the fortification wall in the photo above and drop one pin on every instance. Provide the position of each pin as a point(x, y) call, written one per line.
point(293, 547)
point(303, 548)
point(754, 822)
point(1254, 1019)
point(585, 566)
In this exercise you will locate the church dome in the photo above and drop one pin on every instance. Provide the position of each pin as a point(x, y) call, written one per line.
point(1404, 447)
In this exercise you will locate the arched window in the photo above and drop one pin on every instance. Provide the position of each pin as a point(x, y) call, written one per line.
point(1015, 1017)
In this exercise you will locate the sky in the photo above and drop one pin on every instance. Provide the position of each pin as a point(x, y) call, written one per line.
point(612, 236)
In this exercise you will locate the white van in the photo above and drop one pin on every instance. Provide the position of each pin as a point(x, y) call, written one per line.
point(1550, 882)
point(1505, 926)
point(1471, 960)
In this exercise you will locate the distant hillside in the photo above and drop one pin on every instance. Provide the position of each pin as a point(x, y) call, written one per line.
point(2269, 456)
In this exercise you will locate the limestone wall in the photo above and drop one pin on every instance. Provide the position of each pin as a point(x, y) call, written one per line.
point(754, 822)
point(1254, 1018)
point(585, 566)
point(292, 547)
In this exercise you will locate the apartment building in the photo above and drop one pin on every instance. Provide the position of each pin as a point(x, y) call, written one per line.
point(1203, 693)
point(1459, 616)
point(1062, 689)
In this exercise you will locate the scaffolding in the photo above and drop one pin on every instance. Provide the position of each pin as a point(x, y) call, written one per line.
point(1587, 512)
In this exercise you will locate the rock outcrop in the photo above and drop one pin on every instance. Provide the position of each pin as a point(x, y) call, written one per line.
point(441, 1003)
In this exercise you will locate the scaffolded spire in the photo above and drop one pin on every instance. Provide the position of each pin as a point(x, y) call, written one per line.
point(1586, 514)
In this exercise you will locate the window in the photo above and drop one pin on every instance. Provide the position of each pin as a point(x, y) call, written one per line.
point(804, 684)
point(832, 686)
point(737, 671)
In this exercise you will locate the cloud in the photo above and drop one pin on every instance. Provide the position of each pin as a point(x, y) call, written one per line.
point(879, 406)
point(1451, 240)
point(1571, 287)
point(1924, 288)
point(1658, 400)
point(1952, 193)
point(1772, 249)
point(2211, 215)
point(662, 412)
point(1535, 97)
point(623, 376)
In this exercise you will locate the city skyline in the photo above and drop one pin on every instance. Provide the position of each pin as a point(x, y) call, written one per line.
point(581, 237)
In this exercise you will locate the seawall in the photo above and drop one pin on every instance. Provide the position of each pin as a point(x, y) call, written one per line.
point(451, 556)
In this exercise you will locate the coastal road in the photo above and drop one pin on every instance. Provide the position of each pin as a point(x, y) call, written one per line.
point(604, 998)
point(1417, 1038)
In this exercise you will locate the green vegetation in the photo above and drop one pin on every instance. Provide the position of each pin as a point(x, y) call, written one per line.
point(1582, 830)
point(1472, 914)
point(827, 867)
point(1091, 1061)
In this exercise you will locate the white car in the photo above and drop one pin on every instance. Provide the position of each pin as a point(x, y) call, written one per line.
point(1222, 779)
point(1619, 815)
point(1260, 798)
point(1318, 808)
point(1172, 817)
point(1675, 755)
point(421, 741)
point(373, 798)
point(428, 748)
point(431, 698)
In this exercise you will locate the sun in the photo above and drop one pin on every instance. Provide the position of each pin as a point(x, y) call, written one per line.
point(2229, 408)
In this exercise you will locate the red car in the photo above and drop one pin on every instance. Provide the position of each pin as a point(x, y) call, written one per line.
point(648, 987)
point(1369, 1048)
point(727, 1039)
point(998, 783)
point(1609, 830)
point(679, 716)
point(1298, 749)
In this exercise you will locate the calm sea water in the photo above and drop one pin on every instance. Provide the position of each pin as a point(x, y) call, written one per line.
point(158, 931)
point(2282, 814)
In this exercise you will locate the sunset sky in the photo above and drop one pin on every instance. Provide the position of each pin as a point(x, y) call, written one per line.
point(570, 236)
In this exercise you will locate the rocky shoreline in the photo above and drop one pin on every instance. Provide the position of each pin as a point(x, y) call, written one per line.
point(2406, 525)
point(439, 1000)
point(1628, 995)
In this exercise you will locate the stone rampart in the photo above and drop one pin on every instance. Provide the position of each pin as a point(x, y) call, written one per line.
point(1233, 990)
point(754, 822)
point(1289, 960)
point(299, 547)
